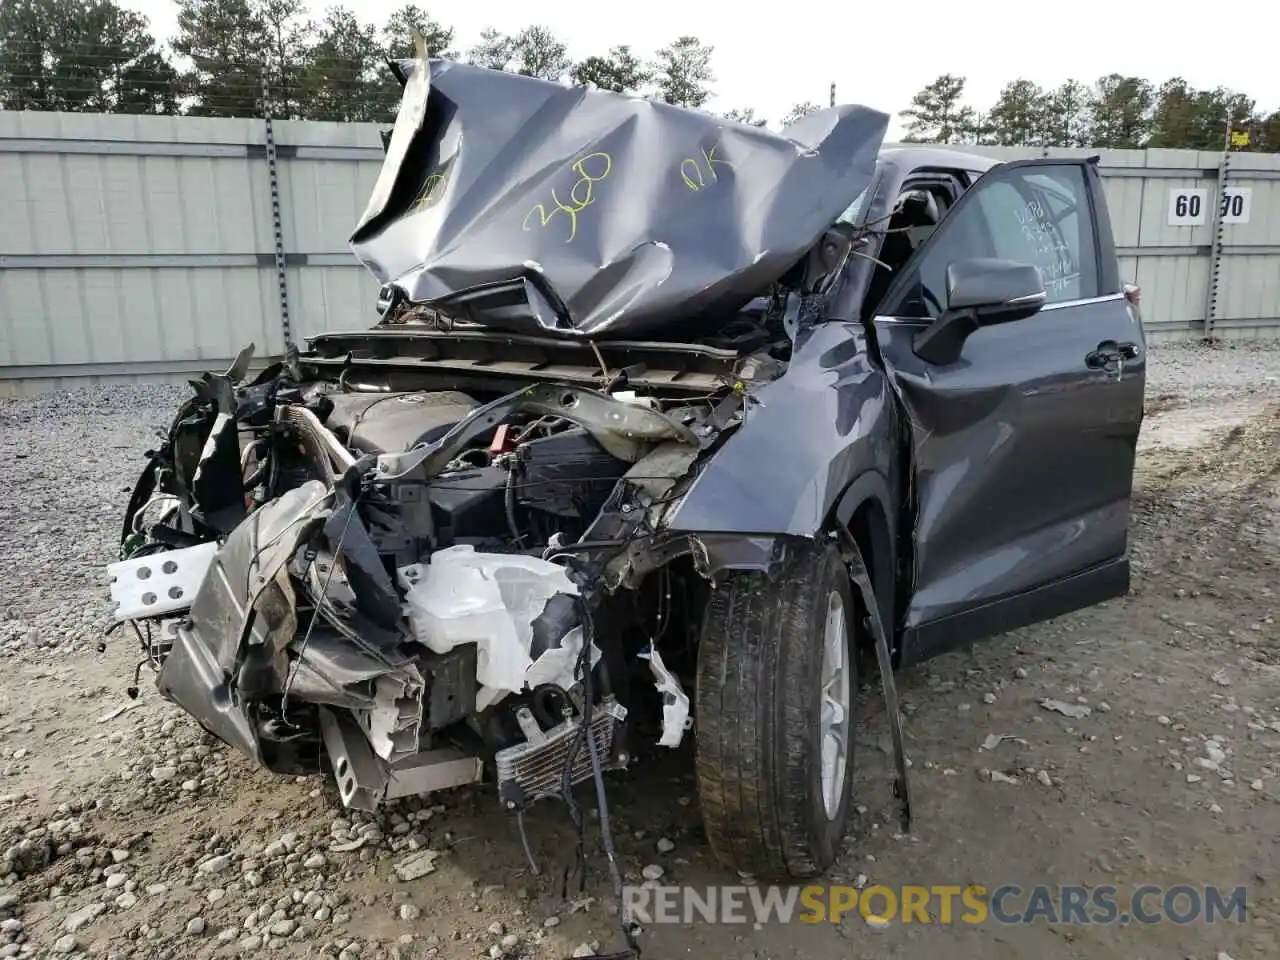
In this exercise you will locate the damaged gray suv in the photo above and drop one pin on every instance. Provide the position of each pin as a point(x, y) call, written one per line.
point(651, 395)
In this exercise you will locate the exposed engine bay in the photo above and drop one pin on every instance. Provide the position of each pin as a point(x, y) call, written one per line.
point(431, 586)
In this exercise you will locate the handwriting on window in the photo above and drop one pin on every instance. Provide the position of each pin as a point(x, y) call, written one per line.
point(1050, 252)
point(702, 171)
point(590, 169)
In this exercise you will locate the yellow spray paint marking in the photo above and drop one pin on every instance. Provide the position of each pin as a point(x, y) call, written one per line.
point(432, 191)
point(591, 169)
point(699, 172)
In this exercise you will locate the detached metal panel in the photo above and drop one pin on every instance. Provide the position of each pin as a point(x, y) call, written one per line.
point(1247, 302)
point(326, 173)
point(323, 200)
point(110, 205)
point(1249, 296)
point(114, 315)
point(1173, 294)
point(1126, 197)
point(331, 298)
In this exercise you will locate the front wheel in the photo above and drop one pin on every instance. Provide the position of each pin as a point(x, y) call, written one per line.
point(773, 708)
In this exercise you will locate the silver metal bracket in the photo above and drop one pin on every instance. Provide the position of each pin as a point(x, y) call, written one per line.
point(364, 781)
point(159, 583)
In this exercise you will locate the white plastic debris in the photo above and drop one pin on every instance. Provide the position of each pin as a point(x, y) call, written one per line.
point(630, 396)
point(491, 600)
point(994, 740)
point(117, 711)
point(675, 702)
point(557, 665)
point(393, 724)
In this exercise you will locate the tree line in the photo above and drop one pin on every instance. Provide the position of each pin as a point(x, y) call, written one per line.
point(238, 58)
point(1116, 111)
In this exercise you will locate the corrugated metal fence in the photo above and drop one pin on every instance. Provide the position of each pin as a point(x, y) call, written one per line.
point(157, 246)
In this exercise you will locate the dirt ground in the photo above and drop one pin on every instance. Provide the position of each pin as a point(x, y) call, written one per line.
point(191, 853)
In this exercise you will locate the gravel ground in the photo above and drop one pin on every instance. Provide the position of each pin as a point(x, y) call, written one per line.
point(125, 832)
point(1194, 373)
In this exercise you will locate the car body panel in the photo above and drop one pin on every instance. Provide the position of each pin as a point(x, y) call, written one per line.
point(533, 207)
point(1022, 454)
point(804, 438)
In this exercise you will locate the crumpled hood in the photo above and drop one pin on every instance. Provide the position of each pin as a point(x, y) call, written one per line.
point(538, 208)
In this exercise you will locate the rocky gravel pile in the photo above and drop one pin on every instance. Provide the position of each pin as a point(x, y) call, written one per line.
point(70, 461)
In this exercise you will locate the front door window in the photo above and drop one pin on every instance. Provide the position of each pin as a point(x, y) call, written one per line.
point(1038, 215)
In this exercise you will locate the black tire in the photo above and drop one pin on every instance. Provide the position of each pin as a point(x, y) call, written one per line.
point(758, 711)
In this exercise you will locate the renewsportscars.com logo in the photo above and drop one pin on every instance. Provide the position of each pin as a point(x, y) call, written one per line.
point(938, 904)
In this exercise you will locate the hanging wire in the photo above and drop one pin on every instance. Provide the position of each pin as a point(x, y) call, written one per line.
point(315, 612)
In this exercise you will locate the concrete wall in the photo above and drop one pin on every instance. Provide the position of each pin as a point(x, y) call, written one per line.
point(154, 247)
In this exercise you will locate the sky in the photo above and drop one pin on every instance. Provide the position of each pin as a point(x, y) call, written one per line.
point(770, 56)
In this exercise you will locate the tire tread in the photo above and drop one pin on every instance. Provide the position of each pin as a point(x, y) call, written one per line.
point(755, 711)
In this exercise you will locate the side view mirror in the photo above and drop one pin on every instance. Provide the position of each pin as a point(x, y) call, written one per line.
point(980, 292)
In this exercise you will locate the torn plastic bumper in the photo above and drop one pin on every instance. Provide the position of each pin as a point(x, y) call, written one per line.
point(483, 614)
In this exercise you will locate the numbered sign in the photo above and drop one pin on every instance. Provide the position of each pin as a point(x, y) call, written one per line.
point(1188, 207)
point(1236, 203)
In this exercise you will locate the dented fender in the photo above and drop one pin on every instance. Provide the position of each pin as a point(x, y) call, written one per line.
point(833, 413)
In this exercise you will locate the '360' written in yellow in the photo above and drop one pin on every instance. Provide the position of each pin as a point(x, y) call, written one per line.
point(591, 169)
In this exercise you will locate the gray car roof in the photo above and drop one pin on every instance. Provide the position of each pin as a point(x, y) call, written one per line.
point(928, 155)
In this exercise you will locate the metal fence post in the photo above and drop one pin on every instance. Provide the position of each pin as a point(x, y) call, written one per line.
point(278, 229)
point(1215, 247)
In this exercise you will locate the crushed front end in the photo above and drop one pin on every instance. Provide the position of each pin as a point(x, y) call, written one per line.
point(444, 549)
point(424, 585)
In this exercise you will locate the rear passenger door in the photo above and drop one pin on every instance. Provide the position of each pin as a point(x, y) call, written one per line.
point(1022, 449)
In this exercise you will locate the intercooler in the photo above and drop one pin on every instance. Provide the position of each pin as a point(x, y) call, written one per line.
point(534, 769)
